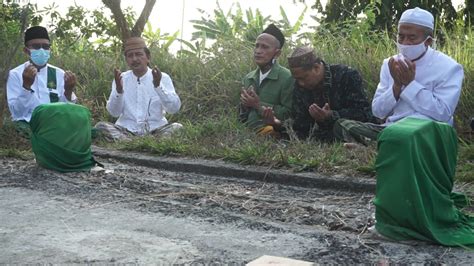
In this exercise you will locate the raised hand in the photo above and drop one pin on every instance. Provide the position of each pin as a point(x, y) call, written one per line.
point(403, 73)
point(269, 118)
point(156, 76)
point(407, 71)
point(29, 75)
point(118, 80)
point(394, 69)
point(69, 81)
point(249, 98)
point(320, 114)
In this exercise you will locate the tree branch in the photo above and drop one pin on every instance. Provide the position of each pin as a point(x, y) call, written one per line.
point(141, 21)
point(114, 6)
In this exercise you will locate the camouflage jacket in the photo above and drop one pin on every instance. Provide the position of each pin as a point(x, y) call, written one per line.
point(343, 90)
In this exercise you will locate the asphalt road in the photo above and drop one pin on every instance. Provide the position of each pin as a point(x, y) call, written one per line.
point(136, 214)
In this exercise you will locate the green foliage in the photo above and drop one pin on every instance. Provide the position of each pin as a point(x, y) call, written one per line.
point(82, 30)
point(233, 25)
point(80, 24)
point(12, 16)
point(458, 42)
point(387, 13)
point(229, 25)
point(156, 39)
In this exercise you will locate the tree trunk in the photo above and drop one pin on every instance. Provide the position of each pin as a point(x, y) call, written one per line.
point(121, 22)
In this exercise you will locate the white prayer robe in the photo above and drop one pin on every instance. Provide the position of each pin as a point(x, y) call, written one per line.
point(433, 94)
point(22, 102)
point(141, 108)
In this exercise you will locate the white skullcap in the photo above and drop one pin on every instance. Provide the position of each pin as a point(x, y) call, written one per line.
point(417, 16)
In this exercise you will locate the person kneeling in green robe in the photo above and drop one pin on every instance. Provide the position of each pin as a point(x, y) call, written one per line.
point(61, 137)
point(415, 165)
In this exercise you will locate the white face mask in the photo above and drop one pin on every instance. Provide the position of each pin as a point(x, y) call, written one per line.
point(412, 51)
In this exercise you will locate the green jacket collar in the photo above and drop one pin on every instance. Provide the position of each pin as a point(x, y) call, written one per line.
point(274, 71)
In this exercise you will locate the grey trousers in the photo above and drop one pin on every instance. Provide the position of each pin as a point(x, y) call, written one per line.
point(112, 132)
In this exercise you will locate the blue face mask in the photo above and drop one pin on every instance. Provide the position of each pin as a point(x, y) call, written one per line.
point(39, 57)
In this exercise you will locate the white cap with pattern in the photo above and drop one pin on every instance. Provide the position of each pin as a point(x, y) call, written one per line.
point(417, 16)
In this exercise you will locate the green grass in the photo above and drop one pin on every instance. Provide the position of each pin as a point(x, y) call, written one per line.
point(465, 166)
point(12, 145)
point(225, 139)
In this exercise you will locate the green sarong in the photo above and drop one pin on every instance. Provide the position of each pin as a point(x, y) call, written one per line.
point(415, 167)
point(61, 137)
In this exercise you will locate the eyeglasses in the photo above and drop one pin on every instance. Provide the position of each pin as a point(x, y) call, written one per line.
point(38, 46)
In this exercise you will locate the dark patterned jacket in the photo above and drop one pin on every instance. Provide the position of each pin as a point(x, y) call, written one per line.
point(343, 90)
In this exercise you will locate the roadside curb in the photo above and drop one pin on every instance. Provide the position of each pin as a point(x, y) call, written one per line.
point(219, 168)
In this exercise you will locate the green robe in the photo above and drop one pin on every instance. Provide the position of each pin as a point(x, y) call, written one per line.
point(415, 165)
point(274, 91)
point(61, 137)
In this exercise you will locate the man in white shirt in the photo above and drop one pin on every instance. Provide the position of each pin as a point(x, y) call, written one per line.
point(140, 97)
point(419, 82)
point(36, 82)
point(417, 95)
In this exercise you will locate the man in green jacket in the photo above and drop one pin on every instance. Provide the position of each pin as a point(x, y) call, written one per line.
point(269, 87)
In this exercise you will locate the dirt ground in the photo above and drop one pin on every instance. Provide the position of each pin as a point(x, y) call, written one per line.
point(134, 214)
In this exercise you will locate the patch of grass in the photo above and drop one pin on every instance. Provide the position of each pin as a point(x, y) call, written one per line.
point(150, 144)
point(465, 166)
point(226, 139)
point(11, 143)
point(15, 153)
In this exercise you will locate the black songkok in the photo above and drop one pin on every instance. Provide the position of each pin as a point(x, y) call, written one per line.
point(275, 32)
point(36, 32)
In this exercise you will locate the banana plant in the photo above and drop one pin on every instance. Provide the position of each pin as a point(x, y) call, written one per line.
point(155, 38)
point(229, 25)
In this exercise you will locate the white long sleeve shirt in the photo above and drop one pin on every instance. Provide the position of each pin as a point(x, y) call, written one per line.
point(141, 107)
point(433, 94)
point(22, 102)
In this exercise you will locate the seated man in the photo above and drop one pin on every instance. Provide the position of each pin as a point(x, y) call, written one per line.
point(417, 95)
point(140, 97)
point(268, 86)
point(418, 82)
point(323, 94)
point(36, 82)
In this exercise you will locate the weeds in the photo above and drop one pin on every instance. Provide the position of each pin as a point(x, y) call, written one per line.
point(225, 139)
